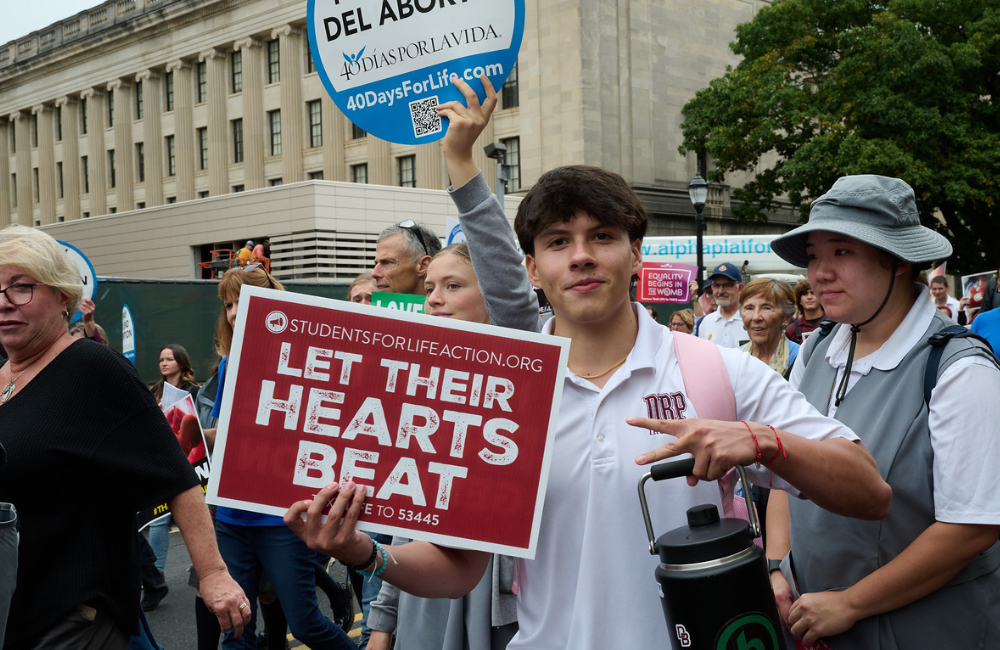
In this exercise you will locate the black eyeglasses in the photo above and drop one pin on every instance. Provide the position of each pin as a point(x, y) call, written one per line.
point(412, 226)
point(19, 294)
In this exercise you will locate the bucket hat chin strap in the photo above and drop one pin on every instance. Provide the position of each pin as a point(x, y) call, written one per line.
point(842, 388)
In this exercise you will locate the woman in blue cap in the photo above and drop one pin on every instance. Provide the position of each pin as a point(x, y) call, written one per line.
point(928, 576)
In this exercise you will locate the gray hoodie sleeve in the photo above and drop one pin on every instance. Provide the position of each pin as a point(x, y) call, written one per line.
point(503, 280)
point(385, 609)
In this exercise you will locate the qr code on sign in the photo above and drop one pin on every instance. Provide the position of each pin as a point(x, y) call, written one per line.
point(423, 112)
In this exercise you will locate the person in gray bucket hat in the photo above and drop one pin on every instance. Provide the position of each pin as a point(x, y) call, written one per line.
point(877, 210)
point(928, 576)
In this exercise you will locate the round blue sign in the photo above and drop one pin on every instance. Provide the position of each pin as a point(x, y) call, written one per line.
point(88, 277)
point(387, 65)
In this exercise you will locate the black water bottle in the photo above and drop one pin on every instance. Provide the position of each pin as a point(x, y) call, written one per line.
point(713, 581)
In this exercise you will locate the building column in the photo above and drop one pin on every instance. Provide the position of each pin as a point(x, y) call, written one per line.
point(254, 129)
point(292, 110)
point(430, 166)
point(95, 151)
point(152, 135)
point(125, 172)
point(380, 161)
point(21, 124)
point(71, 156)
point(218, 147)
point(5, 202)
point(46, 164)
point(183, 128)
point(334, 130)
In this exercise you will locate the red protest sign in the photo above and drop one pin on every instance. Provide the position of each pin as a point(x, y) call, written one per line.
point(446, 423)
point(665, 282)
point(182, 416)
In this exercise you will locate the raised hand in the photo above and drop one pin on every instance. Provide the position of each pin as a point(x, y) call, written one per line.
point(466, 123)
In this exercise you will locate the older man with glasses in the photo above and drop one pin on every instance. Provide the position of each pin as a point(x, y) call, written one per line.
point(724, 326)
point(402, 254)
point(401, 257)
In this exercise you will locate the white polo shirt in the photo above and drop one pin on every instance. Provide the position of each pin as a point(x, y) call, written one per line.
point(954, 306)
point(724, 332)
point(592, 578)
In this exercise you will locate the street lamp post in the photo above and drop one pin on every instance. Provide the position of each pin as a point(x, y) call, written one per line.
point(698, 192)
point(498, 152)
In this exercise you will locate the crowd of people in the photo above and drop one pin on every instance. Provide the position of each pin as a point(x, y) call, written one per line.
point(881, 520)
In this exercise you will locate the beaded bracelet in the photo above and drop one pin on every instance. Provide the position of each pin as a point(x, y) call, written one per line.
point(370, 561)
point(378, 570)
point(755, 444)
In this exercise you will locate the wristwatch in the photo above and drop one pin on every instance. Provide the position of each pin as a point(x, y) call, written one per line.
point(773, 565)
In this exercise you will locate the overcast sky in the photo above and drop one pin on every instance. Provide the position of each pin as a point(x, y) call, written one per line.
point(33, 15)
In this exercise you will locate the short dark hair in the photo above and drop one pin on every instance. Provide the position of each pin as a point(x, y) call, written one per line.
point(939, 279)
point(802, 288)
point(563, 192)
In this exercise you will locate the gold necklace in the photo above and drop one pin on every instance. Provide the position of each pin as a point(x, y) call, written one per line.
point(601, 374)
point(8, 390)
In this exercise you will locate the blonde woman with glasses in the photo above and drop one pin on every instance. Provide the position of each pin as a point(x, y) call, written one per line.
point(102, 441)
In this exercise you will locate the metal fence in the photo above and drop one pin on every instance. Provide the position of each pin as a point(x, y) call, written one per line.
point(183, 312)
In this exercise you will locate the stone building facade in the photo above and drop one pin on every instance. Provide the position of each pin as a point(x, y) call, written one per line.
point(135, 105)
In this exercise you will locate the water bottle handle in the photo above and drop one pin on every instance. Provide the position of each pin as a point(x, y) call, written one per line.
point(673, 469)
point(677, 469)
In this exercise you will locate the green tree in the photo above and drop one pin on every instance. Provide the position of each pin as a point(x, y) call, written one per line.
point(825, 88)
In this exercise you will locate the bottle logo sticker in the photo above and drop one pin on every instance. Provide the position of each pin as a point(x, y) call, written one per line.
point(748, 632)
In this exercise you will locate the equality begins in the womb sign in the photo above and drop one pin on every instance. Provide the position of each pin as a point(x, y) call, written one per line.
point(387, 64)
point(665, 282)
point(449, 425)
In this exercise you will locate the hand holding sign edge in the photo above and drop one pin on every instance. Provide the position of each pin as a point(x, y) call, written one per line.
point(337, 536)
point(420, 568)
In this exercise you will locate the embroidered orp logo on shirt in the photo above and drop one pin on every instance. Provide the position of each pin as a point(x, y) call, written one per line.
point(664, 406)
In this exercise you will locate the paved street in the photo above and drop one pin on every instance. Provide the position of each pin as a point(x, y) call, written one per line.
point(173, 621)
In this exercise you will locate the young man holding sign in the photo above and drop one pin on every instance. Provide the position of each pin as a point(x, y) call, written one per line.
point(581, 228)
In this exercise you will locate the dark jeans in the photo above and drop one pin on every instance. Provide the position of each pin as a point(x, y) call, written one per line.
point(8, 561)
point(289, 563)
point(152, 579)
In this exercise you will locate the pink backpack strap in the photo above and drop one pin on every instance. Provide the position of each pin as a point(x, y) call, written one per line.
point(703, 370)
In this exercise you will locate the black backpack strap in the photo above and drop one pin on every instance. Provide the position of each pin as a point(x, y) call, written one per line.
point(938, 341)
point(825, 327)
point(821, 332)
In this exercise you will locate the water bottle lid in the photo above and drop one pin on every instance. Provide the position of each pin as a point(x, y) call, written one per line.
point(703, 515)
point(706, 537)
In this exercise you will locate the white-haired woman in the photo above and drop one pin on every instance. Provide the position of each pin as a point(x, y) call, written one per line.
point(82, 458)
point(766, 306)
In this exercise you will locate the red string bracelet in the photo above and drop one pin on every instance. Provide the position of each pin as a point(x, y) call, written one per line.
point(780, 452)
point(755, 444)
